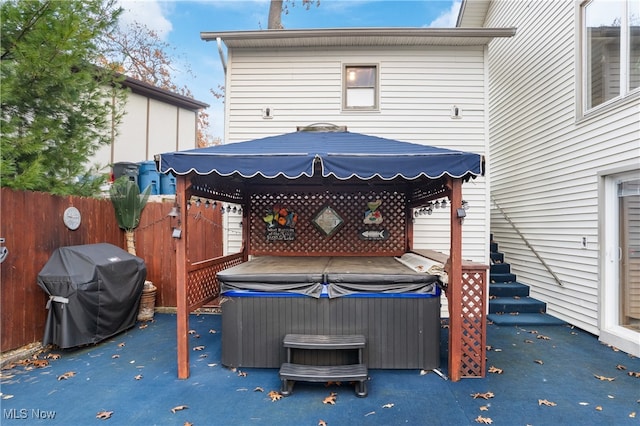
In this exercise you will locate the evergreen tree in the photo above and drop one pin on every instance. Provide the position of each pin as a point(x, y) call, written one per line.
point(57, 107)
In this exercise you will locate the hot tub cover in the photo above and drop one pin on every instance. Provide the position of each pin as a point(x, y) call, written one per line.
point(94, 293)
point(341, 154)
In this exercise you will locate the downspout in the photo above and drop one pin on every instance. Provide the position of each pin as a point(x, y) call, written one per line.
point(221, 53)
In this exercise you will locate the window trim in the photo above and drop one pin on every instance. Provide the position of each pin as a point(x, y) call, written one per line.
point(376, 88)
point(582, 43)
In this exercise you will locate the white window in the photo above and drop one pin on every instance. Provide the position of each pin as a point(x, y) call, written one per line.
point(360, 87)
point(611, 50)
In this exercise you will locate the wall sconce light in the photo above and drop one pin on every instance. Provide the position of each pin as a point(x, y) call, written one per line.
point(198, 202)
point(177, 233)
point(175, 212)
point(207, 204)
point(456, 112)
point(465, 205)
point(461, 213)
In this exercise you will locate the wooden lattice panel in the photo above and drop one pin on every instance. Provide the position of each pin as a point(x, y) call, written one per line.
point(202, 282)
point(309, 240)
point(473, 324)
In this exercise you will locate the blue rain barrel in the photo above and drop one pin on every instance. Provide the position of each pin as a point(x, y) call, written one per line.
point(148, 175)
point(167, 184)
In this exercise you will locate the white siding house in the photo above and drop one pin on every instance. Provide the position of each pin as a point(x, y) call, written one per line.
point(155, 120)
point(278, 80)
point(564, 130)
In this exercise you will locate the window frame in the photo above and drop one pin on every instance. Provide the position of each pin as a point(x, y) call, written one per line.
point(376, 87)
point(583, 46)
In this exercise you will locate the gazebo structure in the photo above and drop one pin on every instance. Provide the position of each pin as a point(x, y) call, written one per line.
point(319, 169)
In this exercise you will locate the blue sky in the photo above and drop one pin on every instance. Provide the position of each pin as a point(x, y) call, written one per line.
point(180, 22)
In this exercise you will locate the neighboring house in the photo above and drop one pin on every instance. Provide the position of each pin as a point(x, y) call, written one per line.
point(155, 120)
point(420, 85)
point(564, 128)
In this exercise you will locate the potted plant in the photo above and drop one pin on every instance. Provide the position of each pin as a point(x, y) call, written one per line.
point(128, 204)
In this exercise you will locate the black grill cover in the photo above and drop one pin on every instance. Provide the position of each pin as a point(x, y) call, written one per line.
point(94, 293)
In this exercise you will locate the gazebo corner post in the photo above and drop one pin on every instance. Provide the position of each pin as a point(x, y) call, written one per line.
point(182, 303)
point(454, 293)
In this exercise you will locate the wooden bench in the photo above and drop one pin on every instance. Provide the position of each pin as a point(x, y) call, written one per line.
point(290, 372)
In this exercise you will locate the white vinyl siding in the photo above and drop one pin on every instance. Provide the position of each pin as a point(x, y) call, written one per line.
point(544, 162)
point(418, 87)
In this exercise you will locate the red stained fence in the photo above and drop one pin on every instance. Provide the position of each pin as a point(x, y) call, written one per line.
point(31, 224)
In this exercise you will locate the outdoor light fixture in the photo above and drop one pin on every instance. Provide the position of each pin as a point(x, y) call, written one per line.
point(177, 233)
point(465, 205)
point(461, 213)
point(175, 212)
point(207, 204)
point(198, 202)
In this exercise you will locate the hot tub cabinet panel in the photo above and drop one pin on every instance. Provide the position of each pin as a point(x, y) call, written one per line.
point(402, 330)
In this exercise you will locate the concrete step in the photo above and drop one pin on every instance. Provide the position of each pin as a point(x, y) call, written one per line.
point(509, 289)
point(520, 305)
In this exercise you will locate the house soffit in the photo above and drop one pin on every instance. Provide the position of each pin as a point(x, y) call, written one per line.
point(359, 37)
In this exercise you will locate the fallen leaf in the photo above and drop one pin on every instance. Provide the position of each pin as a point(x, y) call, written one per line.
point(632, 414)
point(540, 336)
point(484, 420)
point(484, 408)
point(599, 408)
point(104, 415)
point(242, 374)
point(187, 424)
point(370, 413)
point(539, 361)
point(198, 348)
point(143, 326)
point(495, 370)
point(212, 364)
point(178, 408)
point(192, 332)
point(389, 405)
point(603, 378)
point(115, 356)
point(322, 423)
point(212, 331)
point(620, 367)
point(331, 399)
point(634, 374)
point(546, 402)
point(332, 384)
point(138, 377)
point(583, 403)
point(424, 372)
point(274, 395)
point(53, 356)
point(121, 345)
point(66, 375)
point(486, 395)
point(258, 389)
point(6, 396)
point(40, 363)
point(528, 341)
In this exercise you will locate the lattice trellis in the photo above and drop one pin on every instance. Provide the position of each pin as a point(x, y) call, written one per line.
point(351, 207)
point(202, 281)
point(473, 335)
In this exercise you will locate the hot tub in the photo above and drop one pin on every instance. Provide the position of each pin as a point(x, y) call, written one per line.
point(394, 307)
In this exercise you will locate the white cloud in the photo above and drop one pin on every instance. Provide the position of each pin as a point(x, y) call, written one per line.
point(448, 18)
point(148, 12)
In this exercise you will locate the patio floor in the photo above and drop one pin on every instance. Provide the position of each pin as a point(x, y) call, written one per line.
point(550, 376)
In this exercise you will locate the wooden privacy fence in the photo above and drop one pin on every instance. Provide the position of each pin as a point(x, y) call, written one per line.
point(32, 226)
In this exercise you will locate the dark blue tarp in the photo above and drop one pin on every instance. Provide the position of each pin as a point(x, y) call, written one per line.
point(343, 155)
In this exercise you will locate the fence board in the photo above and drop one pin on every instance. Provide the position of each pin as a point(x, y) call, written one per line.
point(32, 226)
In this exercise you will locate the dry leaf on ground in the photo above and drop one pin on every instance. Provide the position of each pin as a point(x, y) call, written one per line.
point(178, 408)
point(198, 348)
point(484, 420)
point(322, 423)
point(138, 377)
point(389, 405)
point(258, 389)
point(484, 408)
point(495, 370)
point(540, 336)
point(485, 395)
point(274, 395)
point(331, 399)
point(546, 402)
point(603, 378)
point(104, 415)
point(539, 361)
point(66, 375)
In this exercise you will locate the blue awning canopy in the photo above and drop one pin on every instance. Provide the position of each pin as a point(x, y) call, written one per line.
point(341, 154)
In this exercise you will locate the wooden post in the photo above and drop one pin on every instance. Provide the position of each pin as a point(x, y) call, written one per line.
point(181, 281)
point(454, 293)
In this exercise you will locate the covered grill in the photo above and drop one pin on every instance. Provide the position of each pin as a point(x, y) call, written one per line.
point(94, 292)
